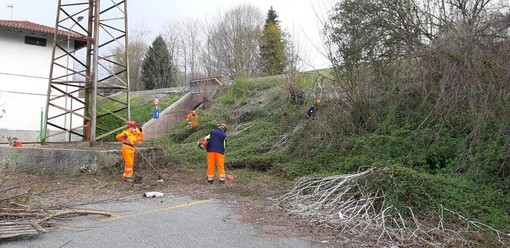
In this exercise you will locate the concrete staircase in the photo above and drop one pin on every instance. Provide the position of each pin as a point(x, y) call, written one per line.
point(171, 117)
point(200, 90)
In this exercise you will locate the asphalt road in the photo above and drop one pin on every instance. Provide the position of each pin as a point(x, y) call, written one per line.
point(165, 221)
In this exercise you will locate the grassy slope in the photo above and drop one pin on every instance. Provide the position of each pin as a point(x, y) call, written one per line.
point(269, 134)
point(141, 109)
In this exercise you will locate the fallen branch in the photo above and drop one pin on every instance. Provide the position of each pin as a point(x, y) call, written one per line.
point(75, 212)
point(19, 205)
point(19, 215)
point(17, 186)
point(30, 191)
point(353, 206)
point(14, 196)
point(16, 210)
point(21, 229)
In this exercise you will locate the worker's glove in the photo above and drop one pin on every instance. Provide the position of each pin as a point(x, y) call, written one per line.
point(140, 129)
point(125, 136)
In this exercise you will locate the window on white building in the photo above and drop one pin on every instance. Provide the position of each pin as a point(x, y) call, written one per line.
point(35, 41)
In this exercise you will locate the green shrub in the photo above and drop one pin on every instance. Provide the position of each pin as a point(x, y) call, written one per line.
point(426, 193)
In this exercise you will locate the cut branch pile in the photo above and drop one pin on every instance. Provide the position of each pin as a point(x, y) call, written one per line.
point(16, 223)
point(343, 202)
point(27, 220)
point(9, 229)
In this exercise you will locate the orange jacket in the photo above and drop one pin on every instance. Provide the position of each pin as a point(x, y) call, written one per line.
point(131, 136)
point(17, 143)
point(192, 119)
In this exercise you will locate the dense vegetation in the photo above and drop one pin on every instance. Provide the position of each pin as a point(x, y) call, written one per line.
point(269, 132)
point(418, 95)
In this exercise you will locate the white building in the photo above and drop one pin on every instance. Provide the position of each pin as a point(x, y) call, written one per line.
point(25, 59)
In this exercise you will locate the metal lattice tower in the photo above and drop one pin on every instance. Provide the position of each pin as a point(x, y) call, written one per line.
point(88, 66)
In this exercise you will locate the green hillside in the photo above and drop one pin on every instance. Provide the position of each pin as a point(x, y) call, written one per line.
point(141, 110)
point(413, 174)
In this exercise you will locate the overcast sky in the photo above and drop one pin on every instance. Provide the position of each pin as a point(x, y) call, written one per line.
point(296, 16)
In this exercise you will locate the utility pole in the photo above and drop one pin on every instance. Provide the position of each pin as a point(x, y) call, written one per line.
point(11, 7)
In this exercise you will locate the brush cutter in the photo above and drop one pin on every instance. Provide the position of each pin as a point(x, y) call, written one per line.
point(229, 177)
point(160, 178)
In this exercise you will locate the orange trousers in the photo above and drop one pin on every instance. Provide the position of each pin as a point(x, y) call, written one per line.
point(128, 154)
point(212, 159)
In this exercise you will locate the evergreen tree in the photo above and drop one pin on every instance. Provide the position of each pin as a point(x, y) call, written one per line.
point(272, 46)
point(272, 18)
point(158, 70)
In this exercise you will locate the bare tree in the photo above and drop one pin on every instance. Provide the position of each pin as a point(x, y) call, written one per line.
point(136, 52)
point(190, 44)
point(205, 57)
point(137, 49)
point(449, 48)
point(295, 57)
point(233, 41)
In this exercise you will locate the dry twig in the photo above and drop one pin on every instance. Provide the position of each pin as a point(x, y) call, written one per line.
point(74, 212)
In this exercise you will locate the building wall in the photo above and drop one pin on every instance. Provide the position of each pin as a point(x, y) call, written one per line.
point(24, 73)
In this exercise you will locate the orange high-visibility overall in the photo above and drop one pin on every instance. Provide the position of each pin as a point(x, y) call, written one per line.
point(212, 159)
point(192, 120)
point(215, 153)
point(130, 137)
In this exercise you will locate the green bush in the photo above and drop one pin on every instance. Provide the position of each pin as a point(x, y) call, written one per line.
point(426, 193)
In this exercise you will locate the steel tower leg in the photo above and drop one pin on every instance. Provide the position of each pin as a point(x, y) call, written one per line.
point(89, 64)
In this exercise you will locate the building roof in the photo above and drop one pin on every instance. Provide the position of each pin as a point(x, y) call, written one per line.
point(34, 27)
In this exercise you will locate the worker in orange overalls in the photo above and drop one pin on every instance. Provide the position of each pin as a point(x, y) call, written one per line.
point(192, 119)
point(215, 152)
point(130, 137)
point(16, 143)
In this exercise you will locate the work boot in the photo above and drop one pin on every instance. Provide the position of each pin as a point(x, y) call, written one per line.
point(222, 181)
point(210, 181)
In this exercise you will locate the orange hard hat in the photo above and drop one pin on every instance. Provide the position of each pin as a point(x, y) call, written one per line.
point(223, 126)
point(131, 124)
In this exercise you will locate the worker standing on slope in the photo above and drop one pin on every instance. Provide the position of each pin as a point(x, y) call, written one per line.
point(215, 152)
point(192, 119)
point(130, 137)
point(312, 111)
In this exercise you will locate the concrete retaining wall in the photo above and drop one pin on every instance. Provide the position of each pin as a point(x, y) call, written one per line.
point(171, 117)
point(67, 161)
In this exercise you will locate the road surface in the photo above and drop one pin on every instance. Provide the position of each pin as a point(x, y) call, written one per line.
point(166, 221)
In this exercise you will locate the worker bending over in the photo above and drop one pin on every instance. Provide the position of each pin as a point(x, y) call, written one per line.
point(192, 119)
point(215, 152)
